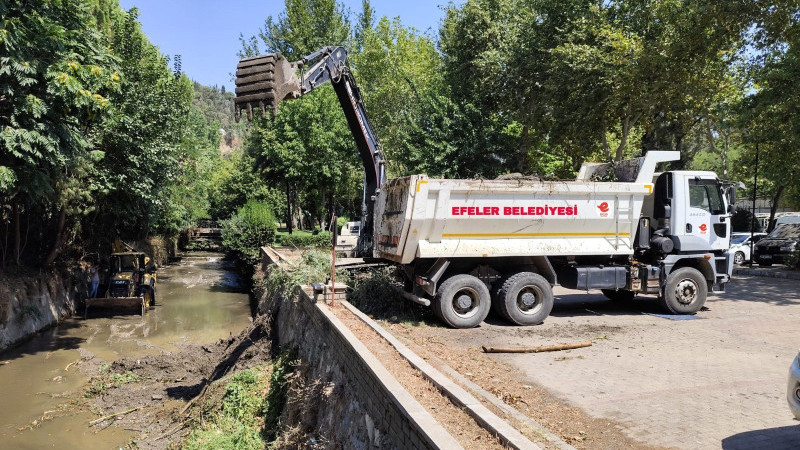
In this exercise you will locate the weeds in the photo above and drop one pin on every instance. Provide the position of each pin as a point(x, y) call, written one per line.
point(100, 384)
point(378, 294)
point(276, 398)
point(248, 416)
point(315, 267)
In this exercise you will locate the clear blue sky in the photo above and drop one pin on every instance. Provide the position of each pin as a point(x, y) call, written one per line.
point(206, 33)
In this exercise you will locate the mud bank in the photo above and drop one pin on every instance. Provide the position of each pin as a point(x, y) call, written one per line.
point(29, 304)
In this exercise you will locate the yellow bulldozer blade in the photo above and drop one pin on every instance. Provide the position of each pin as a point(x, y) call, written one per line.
point(117, 303)
point(264, 81)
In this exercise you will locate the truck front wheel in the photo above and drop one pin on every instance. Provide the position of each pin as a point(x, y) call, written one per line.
point(462, 301)
point(524, 298)
point(685, 291)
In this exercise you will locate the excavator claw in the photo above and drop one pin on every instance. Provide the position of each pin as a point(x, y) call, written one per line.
point(263, 82)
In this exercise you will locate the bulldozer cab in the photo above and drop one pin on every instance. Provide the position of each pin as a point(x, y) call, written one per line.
point(126, 262)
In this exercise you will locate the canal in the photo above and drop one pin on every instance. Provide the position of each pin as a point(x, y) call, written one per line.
point(199, 300)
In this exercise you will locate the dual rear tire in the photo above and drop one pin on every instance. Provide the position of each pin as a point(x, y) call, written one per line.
point(464, 301)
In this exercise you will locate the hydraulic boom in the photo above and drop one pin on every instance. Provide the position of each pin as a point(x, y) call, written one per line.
point(266, 80)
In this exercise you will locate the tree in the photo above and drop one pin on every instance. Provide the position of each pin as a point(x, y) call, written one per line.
point(304, 26)
point(771, 115)
point(55, 80)
point(397, 69)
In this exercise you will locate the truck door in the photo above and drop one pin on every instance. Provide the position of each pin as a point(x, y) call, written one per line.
point(706, 217)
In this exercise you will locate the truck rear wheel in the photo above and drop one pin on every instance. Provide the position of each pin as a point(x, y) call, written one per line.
point(685, 291)
point(524, 298)
point(462, 301)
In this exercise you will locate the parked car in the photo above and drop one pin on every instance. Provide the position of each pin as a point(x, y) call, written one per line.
point(793, 391)
point(740, 245)
point(774, 248)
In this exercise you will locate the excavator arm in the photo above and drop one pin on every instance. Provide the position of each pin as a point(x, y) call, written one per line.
point(264, 81)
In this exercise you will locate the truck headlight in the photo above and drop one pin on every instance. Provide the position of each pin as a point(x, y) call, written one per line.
point(788, 248)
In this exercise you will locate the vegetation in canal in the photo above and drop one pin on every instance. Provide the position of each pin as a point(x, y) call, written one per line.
point(314, 267)
point(247, 416)
point(106, 380)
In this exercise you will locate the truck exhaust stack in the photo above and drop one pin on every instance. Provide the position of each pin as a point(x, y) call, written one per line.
point(263, 82)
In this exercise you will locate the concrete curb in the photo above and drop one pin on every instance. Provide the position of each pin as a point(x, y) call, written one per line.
point(432, 430)
point(768, 273)
point(508, 435)
point(502, 406)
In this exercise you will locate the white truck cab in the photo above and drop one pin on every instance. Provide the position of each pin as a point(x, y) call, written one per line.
point(347, 240)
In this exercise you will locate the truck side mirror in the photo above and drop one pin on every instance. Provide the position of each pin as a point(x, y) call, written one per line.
point(731, 199)
point(643, 233)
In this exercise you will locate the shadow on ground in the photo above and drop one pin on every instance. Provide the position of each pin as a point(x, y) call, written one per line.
point(781, 438)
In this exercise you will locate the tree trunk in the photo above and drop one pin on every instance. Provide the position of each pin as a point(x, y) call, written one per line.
point(775, 200)
point(17, 234)
point(59, 238)
point(288, 207)
point(522, 153)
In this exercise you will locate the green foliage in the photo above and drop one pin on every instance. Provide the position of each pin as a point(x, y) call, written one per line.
point(225, 434)
point(100, 384)
point(378, 294)
point(236, 422)
point(239, 401)
point(308, 150)
point(455, 141)
point(98, 136)
point(275, 401)
point(315, 267)
point(305, 239)
point(304, 27)
point(396, 67)
point(252, 227)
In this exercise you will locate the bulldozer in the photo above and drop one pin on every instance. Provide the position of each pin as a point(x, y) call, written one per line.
point(131, 281)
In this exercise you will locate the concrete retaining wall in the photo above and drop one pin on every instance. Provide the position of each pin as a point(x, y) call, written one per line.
point(364, 406)
point(30, 304)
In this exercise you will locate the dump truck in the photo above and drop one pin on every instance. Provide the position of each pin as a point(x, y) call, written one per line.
point(464, 247)
point(131, 283)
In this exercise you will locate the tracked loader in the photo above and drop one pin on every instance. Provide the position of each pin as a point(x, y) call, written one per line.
point(131, 282)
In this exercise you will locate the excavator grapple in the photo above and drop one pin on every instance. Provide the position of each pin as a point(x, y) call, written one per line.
point(263, 82)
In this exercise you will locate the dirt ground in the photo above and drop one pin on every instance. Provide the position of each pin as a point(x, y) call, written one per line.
point(715, 380)
point(151, 392)
point(568, 422)
point(457, 422)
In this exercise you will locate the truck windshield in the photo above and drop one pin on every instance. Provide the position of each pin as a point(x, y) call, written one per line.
point(785, 231)
point(705, 194)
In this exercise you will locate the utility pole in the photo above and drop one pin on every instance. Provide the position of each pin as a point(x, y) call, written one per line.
point(753, 220)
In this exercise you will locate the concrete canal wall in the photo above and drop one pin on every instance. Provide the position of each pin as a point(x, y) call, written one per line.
point(29, 304)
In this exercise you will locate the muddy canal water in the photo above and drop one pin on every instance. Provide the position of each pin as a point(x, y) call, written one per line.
point(199, 300)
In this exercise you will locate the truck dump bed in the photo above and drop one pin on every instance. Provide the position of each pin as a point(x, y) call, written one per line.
point(419, 217)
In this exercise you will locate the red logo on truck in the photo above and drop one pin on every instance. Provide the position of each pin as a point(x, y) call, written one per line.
point(603, 207)
point(703, 228)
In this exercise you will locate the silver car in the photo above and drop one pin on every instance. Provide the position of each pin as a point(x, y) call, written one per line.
point(793, 391)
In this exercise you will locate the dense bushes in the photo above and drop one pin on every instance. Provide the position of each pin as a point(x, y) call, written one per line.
point(251, 227)
point(322, 240)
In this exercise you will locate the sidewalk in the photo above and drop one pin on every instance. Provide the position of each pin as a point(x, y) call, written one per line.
point(768, 272)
